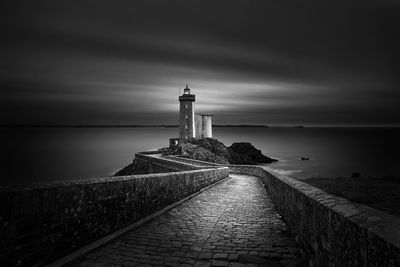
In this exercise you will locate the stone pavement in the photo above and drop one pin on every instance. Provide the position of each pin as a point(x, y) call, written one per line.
point(233, 223)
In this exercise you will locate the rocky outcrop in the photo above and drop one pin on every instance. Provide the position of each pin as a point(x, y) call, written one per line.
point(132, 169)
point(246, 153)
point(201, 151)
point(212, 150)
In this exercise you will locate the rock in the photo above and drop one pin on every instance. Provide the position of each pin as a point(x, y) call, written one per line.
point(212, 150)
point(246, 153)
point(201, 151)
point(131, 169)
point(215, 146)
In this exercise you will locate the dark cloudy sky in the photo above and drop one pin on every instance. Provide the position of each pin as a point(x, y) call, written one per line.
point(280, 62)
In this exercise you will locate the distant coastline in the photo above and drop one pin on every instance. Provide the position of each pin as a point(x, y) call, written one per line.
point(120, 125)
point(85, 126)
point(175, 126)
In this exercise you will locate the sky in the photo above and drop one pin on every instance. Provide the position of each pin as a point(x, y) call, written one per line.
point(283, 62)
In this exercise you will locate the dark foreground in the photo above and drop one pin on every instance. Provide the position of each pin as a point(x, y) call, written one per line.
point(234, 223)
point(379, 193)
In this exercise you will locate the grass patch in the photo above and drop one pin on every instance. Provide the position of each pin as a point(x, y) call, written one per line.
point(379, 193)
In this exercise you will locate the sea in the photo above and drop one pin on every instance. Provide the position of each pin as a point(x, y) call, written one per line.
point(31, 155)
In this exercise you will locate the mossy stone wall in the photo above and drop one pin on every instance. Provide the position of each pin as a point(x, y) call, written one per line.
point(40, 223)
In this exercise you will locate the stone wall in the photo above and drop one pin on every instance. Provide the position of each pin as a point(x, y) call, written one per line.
point(40, 223)
point(160, 164)
point(332, 231)
point(194, 162)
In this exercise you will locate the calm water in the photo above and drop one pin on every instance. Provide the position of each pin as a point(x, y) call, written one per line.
point(43, 154)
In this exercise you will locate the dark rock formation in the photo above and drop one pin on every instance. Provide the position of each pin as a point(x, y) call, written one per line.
point(213, 145)
point(132, 169)
point(205, 150)
point(246, 153)
point(212, 150)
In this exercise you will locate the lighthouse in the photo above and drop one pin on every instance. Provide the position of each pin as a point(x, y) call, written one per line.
point(186, 115)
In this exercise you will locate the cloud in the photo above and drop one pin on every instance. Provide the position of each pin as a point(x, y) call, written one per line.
point(124, 63)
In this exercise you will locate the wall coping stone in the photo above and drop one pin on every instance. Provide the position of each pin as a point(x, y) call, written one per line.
point(157, 157)
point(98, 180)
point(380, 223)
point(200, 162)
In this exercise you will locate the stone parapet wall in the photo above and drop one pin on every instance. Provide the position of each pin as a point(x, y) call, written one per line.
point(332, 231)
point(40, 223)
point(194, 162)
point(159, 164)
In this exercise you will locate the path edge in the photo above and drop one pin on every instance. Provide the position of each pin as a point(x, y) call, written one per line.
point(110, 237)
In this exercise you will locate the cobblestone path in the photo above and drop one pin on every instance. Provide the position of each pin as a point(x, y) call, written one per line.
point(231, 224)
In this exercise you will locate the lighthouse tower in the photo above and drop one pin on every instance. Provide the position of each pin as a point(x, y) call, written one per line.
point(186, 115)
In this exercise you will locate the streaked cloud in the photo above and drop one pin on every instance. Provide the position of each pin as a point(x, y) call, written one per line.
point(258, 62)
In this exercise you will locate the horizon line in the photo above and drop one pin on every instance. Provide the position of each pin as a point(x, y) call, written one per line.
point(177, 125)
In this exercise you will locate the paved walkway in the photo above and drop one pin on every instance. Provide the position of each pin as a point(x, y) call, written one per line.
point(231, 224)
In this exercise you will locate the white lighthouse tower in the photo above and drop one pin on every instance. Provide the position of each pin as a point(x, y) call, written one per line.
point(186, 115)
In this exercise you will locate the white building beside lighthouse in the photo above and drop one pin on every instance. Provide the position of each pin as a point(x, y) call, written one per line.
point(203, 124)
